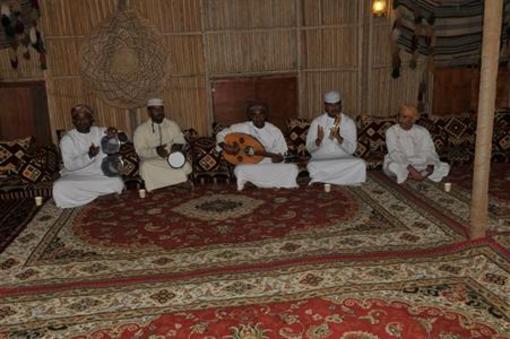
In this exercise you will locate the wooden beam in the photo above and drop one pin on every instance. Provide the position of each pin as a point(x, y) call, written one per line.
point(493, 11)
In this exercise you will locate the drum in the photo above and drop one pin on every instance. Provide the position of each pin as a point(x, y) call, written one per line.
point(176, 159)
point(112, 165)
point(110, 145)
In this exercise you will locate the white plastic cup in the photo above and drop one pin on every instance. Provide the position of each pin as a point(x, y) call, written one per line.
point(142, 193)
point(327, 188)
point(38, 201)
point(447, 186)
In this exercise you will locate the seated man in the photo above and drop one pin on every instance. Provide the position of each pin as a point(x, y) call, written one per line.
point(154, 140)
point(270, 172)
point(331, 141)
point(82, 179)
point(411, 151)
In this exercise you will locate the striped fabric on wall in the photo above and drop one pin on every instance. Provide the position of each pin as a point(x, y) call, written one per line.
point(457, 26)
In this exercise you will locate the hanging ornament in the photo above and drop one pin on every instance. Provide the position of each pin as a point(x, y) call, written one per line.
point(13, 57)
point(38, 45)
point(33, 35)
point(19, 28)
point(25, 42)
point(396, 61)
point(26, 53)
point(508, 45)
point(5, 9)
point(35, 4)
point(42, 60)
point(19, 23)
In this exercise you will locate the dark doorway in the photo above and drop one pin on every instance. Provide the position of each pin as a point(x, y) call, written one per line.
point(24, 111)
point(231, 96)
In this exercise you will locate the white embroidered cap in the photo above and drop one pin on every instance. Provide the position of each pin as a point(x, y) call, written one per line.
point(332, 97)
point(154, 102)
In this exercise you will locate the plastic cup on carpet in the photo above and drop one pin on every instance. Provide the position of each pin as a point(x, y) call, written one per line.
point(38, 201)
point(142, 193)
point(327, 188)
point(447, 186)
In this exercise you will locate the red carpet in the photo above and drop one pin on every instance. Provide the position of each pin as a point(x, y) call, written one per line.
point(376, 261)
point(174, 219)
point(313, 318)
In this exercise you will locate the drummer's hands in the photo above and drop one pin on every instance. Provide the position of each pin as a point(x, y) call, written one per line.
point(176, 148)
point(320, 135)
point(111, 132)
point(161, 150)
point(122, 136)
point(93, 151)
point(230, 149)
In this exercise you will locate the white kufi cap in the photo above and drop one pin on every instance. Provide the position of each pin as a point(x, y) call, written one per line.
point(332, 97)
point(154, 102)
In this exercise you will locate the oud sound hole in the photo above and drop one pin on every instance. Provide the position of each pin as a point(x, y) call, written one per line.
point(239, 158)
point(241, 140)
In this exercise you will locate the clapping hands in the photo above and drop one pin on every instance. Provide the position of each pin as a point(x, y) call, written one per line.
point(320, 135)
point(93, 151)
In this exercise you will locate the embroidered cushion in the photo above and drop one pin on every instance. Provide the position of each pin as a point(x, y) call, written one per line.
point(295, 136)
point(42, 165)
point(12, 154)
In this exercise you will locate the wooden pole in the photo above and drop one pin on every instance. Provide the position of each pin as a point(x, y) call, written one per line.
point(493, 11)
point(133, 121)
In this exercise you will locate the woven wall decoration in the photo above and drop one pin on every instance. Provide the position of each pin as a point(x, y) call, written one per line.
point(125, 60)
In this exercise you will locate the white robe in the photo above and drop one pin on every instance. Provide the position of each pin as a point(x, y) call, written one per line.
point(154, 170)
point(332, 162)
point(265, 174)
point(82, 179)
point(413, 147)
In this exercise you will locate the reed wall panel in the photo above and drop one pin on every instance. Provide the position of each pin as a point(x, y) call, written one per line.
point(74, 18)
point(340, 47)
point(311, 40)
point(388, 93)
point(243, 14)
point(27, 69)
point(310, 12)
point(186, 101)
point(69, 91)
point(236, 52)
point(329, 44)
point(311, 96)
point(185, 54)
point(336, 12)
point(170, 16)
point(63, 56)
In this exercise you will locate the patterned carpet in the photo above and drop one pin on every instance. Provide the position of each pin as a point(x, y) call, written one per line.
point(499, 204)
point(14, 216)
point(499, 185)
point(378, 261)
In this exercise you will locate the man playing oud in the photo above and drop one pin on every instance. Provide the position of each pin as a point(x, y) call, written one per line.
point(271, 171)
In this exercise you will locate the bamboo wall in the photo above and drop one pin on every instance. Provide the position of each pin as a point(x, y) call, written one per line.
point(327, 44)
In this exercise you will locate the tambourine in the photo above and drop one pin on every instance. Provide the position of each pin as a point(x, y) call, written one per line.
point(176, 159)
point(112, 165)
